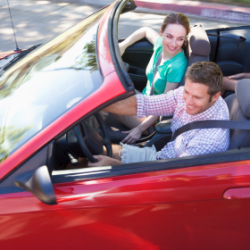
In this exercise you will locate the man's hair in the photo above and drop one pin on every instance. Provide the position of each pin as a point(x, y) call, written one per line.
point(207, 73)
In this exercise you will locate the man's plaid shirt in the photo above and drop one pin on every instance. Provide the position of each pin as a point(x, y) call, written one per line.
point(193, 142)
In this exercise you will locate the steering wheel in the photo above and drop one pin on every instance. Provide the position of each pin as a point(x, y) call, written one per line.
point(90, 141)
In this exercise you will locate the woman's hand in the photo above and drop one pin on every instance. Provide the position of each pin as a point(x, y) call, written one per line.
point(133, 135)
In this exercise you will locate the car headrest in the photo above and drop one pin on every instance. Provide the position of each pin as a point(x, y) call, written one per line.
point(198, 42)
point(243, 95)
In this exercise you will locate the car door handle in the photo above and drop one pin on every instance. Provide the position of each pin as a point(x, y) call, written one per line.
point(237, 193)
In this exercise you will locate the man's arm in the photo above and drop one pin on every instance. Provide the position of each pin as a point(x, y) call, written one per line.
point(125, 107)
point(158, 105)
point(141, 105)
point(240, 76)
point(229, 84)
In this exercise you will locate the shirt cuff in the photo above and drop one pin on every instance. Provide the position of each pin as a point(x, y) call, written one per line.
point(140, 105)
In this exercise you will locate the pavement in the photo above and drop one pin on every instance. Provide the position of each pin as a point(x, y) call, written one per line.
point(229, 13)
point(39, 21)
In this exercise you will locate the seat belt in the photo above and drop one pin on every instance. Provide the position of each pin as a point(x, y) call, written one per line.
point(151, 128)
point(243, 125)
point(155, 71)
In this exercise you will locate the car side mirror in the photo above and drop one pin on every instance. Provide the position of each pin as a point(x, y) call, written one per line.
point(40, 185)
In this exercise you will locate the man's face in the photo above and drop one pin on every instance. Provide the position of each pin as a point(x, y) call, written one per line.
point(197, 98)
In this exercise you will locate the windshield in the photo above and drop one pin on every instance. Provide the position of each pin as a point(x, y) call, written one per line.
point(47, 83)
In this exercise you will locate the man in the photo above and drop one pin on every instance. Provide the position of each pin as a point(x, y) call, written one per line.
point(198, 100)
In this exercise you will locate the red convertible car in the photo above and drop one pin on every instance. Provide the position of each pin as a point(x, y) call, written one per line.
point(48, 202)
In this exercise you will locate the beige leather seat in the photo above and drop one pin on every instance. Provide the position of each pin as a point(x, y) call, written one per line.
point(198, 47)
point(239, 110)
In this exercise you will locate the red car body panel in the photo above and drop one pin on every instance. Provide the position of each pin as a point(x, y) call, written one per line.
point(115, 212)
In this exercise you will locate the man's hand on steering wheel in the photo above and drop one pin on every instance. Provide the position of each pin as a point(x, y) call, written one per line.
point(90, 141)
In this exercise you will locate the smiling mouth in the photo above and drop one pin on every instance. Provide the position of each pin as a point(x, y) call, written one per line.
point(171, 49)
point(191, 107)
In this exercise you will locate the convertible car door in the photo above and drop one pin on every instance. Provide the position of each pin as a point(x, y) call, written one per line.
point(174, 204)
point(197, 207)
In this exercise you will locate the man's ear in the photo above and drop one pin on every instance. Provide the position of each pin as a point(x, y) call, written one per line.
point(216, 96)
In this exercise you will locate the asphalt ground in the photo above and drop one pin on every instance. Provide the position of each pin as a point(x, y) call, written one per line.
point(219, 11)
point(40, 21)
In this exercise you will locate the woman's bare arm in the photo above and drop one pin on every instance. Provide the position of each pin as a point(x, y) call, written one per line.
point(146, 32)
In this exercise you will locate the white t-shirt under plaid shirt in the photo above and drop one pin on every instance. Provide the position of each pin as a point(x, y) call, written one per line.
point(193, 142)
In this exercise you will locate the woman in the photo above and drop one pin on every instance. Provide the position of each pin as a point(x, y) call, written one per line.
point(172, 63)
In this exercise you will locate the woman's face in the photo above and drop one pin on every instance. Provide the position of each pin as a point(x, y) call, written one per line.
point(173, 38)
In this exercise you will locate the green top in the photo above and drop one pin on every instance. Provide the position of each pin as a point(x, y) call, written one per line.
point(170, 71)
